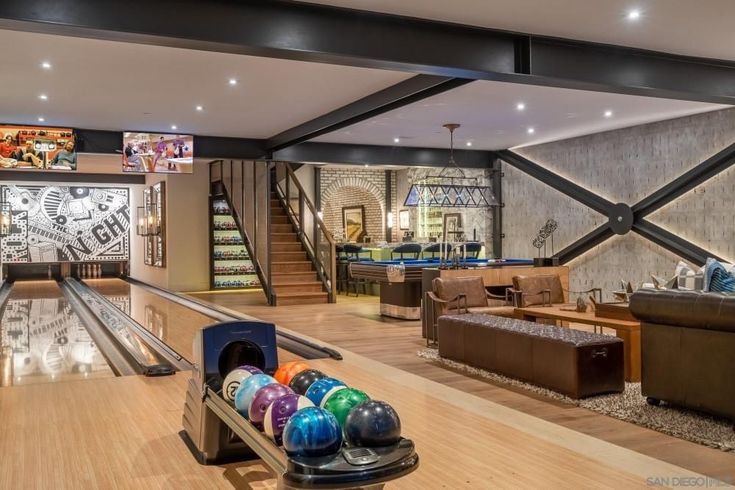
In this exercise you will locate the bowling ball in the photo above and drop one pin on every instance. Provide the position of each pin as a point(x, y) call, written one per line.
point(285, 372)
point(322, 389)
point(247, 389)
point(343, 401)
point(262, 399)
point(280, 411)
point(234, 378)
point(303, 380)
point(312, 432)
point(372, 423)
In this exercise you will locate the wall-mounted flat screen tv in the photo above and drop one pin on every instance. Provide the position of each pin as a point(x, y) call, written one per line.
point(37, 148)
point(158, 153)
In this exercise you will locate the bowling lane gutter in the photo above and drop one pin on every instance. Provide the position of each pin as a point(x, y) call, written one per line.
point(286, 340)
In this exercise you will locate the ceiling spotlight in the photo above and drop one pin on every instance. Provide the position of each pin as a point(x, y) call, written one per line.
point(45, 65)
point(43, 97)
point(634, 14)
point(199, 108)
point(469, 143)
point(366, 165)
point(173, 126)
point(396, 140)
point(41, 119)
point(232, 81)
point(520, 106)
point(531, 131)
point(608, 113)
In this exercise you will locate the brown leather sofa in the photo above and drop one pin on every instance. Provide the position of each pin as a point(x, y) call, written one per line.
point(573, 362)
point(687, 348)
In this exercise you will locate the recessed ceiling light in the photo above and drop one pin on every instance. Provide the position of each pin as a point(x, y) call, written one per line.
point(366, 165)
point(520, 106)
point(396, 140)
point(173, 126)
point(199, 108)
point(45, 65)
point(41, 119)
point(43, 97)
point(634, 14)
point(232, 81)
point(530, 130)
point(469, 143)
point(608, 113)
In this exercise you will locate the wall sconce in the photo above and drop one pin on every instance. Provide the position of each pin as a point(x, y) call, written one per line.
point(141, 228)
point(6, 219)
point(390, 219)
point(148, 220)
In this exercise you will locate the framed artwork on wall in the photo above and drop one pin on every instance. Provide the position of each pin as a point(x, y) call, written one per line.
point(403, 219)
point(452, 225)
point(353, 222)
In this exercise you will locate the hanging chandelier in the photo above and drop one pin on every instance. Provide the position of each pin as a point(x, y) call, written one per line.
point(450, 188)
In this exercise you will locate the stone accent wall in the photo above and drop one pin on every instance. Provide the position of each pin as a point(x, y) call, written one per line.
point(343, 187)
point(626, 165)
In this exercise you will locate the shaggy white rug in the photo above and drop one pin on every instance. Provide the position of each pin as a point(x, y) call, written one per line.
point(630, 406)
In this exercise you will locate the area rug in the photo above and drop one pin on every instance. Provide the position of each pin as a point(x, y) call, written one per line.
point(629, 406)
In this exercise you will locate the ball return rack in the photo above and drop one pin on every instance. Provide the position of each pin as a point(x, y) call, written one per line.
point(216, 433)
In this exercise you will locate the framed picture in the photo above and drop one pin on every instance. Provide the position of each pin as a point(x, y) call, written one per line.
point(452, 225)
point(403, 219)
point(353, 222)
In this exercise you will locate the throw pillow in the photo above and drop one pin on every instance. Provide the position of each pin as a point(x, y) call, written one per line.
point(718, 278)
point(688, 278)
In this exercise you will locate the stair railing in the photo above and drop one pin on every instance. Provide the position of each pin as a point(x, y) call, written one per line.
point(313, 234)
point(245, 185)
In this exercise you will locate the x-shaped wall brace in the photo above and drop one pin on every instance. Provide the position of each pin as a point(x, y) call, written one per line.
point(623, 218)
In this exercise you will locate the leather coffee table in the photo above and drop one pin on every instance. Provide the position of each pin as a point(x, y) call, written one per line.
point(629, 331)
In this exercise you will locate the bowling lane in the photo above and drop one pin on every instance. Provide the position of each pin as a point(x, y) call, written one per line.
point(48, 340)
point(171, 322)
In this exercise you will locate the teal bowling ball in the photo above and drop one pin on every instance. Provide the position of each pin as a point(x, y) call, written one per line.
point(247, 389)
point(312, 432)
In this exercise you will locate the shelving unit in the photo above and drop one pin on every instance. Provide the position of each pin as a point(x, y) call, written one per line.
point(430, 222)
point(231, 264)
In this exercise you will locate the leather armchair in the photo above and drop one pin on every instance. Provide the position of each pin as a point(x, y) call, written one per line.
point(543, 290)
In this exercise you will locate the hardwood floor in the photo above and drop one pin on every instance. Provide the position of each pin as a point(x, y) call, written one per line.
point(354, 324)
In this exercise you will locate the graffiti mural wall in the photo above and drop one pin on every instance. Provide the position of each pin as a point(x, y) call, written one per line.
point(66, 224)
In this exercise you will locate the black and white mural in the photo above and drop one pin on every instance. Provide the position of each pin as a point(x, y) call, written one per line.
point(66, 224)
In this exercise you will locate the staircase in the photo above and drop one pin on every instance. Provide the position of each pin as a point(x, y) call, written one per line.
point(294, 280)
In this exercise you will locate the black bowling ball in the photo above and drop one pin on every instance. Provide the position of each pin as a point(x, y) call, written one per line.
point(372, 424)
point(301, 382)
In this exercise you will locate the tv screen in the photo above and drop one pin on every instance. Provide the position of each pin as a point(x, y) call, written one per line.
point(37, 148)
point(158, 153)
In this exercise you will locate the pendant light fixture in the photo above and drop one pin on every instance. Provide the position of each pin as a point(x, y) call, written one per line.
point(450, 188)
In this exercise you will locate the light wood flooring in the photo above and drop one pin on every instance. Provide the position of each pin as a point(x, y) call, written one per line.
point(354, 324)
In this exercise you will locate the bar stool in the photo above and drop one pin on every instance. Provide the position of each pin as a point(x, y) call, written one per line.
point(352, 253)
point(473, 249)
point(407, 249)
point(434, 249)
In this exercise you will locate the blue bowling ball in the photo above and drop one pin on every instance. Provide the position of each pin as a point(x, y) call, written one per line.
point(312, 432)
point(318, 391)
point(247, 389)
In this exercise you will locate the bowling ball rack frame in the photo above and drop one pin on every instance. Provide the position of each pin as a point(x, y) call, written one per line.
point(216, 433)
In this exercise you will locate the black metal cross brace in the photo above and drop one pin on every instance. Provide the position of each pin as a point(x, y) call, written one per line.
point(623, 218)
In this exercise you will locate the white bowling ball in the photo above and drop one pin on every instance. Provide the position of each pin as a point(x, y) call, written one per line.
point(234, 378)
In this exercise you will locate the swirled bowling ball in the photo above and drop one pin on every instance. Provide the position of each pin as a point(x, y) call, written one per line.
point(322, 389)
point(280, 411)
point(262, 400)
point(286, 371)
point(343, 401)
point(312, 432)
point(247, 389)
point(234, 378)
point(303, 380)
point(372, 424)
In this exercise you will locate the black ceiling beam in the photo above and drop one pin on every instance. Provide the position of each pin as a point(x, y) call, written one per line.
point(310, 32)
point(403, 93)
point(382, 155)
point(673, 243)
point(69, 177)
point(587, 242)
point(686, 182)
point(567, 187)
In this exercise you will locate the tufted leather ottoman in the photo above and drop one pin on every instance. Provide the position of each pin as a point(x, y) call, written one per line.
point(572, 362)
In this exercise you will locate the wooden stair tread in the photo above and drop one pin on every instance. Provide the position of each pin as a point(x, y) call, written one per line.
point(300, 284)
point(301, 294)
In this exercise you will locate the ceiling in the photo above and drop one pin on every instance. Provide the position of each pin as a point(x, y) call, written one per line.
point(696, 28)
point(119, 86)
point(491, 121)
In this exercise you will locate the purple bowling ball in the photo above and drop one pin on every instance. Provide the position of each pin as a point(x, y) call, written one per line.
point(280, 411)
point(262, 400)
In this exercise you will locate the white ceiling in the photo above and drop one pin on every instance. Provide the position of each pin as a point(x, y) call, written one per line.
point(110, 85)
point(691, 27)
point(490, 120)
